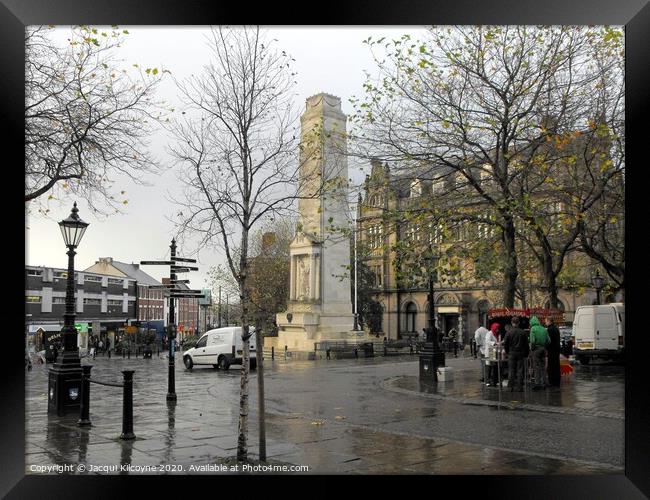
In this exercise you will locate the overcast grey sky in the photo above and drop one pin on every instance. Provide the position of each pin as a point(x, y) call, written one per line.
point(327, 59)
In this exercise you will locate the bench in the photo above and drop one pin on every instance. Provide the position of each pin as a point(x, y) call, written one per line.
point(342, 350)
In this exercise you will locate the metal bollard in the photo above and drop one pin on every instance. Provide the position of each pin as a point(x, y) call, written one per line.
point(129, 353)
point(356, 353)
point(285, 352)
point(84, 416)
point(327, 352)
point(272, 352)
point(127, 406)
point(109, 354)
point(123, 353)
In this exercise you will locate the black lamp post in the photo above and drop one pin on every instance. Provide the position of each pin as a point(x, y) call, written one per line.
point(64, 386)
point(431, 357)
point(598, 282)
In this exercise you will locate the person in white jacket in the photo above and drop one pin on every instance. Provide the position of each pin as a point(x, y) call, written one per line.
point(492, 340)
point(479, 337)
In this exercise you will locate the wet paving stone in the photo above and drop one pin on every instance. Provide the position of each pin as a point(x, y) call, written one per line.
point(366, 416)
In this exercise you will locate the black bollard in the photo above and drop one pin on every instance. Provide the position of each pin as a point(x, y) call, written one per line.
point(285, 352)
point(327, 353)
point(109, 354)
point(356, 353)
point(272, 352)
point(123, 354)
point(129, 353)
point(84, 416)
point(127, 406)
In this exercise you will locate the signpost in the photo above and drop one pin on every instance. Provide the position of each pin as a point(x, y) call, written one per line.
point(175, 293)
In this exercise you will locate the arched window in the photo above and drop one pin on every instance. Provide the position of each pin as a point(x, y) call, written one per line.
point(560, 305)
point(411, 312)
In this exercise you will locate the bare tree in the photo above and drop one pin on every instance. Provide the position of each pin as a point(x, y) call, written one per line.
point(87, 117)
point(469, 104)
point(237, 149)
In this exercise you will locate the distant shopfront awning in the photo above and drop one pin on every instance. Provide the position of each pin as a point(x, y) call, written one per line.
point(45, 327)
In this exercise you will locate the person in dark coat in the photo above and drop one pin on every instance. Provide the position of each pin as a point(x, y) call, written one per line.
point(515, 345)
point(553, 353)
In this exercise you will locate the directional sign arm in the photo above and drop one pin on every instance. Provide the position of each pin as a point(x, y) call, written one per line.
point(156, 262)
point(181, 259)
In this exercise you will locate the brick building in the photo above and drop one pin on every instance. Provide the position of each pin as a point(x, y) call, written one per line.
point(105, 304)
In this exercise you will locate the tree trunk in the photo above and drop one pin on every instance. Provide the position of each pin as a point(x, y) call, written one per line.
point(510, 271)
point(260, 393)
point(242, 445)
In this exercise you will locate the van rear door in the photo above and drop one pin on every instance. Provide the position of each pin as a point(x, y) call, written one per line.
point(584, 328)
point(606, 328)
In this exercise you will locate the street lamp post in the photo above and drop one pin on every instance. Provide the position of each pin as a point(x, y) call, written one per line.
point(431, 357)
point(598, 282)
point(64, 387)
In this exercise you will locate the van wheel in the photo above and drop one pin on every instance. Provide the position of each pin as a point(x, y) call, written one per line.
point(253, 364)
point(216, 367)
point(188, 362)
point(224, 363)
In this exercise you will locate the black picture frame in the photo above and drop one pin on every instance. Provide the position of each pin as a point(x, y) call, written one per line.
point(634, 14)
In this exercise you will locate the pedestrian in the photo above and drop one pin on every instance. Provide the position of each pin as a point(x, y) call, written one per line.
point(100, 345)
point(515, 345)
point(553, 350)
point(491, 340)
point(479, 338)
point(538, 341)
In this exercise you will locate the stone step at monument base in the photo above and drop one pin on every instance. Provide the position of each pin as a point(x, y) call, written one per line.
point(296, 341)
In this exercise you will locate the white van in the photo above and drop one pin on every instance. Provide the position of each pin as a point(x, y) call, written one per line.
point(220, 348)
point(599, 332)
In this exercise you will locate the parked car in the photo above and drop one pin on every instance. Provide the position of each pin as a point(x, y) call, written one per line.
point(566, 340)
point(220, 348)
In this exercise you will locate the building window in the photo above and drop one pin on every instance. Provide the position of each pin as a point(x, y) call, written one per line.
point(33, 299)
point(34, 272)
point(375, 236)
point(114, 281)
point(58, 300)
point(93, 302)
point(61, 274)
point(411, 312)
point(416, 188)
point(114, 302)
point(95, 279)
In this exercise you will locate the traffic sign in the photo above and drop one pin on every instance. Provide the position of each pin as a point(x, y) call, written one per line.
point(156, 262)
point(159, 287)
point(178, 268)
point(181, 259)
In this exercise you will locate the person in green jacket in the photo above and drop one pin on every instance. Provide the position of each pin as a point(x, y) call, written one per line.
point(538, 340)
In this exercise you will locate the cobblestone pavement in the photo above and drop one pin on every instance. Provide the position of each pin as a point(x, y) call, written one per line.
point(359, 416)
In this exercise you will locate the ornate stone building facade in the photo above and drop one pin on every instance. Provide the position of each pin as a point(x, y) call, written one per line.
point(461, 304)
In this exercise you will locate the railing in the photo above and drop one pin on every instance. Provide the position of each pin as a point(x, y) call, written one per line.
point(127, 401)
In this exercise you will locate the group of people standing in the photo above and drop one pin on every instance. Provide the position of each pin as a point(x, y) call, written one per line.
point(541, 344)
point(98, 345)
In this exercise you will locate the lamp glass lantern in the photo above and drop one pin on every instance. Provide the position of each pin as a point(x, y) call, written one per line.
point(73, 228)
point(598, 281)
